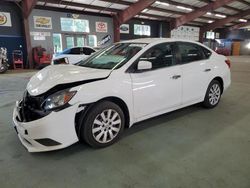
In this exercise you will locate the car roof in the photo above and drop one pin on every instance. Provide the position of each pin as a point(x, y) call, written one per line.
point(157, 40)
point(81, 47)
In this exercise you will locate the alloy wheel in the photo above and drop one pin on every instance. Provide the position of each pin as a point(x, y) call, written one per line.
point(106, 126)
point(214, 94)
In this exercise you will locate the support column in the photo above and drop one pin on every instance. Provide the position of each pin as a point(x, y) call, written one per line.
point(201, 34)
point(117, 36)
point(28, 42)
point(27, 7)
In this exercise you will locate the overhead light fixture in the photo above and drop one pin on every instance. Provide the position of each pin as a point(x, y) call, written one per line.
point(220, 15)
point(209, 13)
point(184, 8)
point(242, 20)
point(145, 10)
point(161, 3)
point(210, 21)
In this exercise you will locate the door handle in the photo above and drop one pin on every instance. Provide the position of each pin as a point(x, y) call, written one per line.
point(207, 70)
point(175, 77)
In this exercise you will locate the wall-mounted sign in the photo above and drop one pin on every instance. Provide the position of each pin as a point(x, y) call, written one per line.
point(39, 38)
point(124, 28)
point(43, 34)
point(5, 19)
point(74, 16)
point(101, 27)
point(104, 40)
point(186, 32)
point(41, 22)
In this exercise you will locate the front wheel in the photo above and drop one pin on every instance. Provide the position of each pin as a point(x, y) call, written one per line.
point(213, 94)
point(103, 124)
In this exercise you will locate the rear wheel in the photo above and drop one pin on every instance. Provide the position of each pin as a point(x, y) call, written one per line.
point(213, 94)
point(103, 124)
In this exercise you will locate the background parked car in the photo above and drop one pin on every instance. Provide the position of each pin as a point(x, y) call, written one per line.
point(72, 55)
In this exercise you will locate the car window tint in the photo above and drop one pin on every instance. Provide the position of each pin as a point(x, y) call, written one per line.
point(190, 52)
point(160, 56)
point(75, 51)
point(87, 51)
point(207, 52)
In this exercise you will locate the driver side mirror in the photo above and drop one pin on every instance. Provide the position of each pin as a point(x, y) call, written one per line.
point(144, 65)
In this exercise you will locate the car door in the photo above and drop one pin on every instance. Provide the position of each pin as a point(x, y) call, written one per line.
point(158, 89)
point(195, 72)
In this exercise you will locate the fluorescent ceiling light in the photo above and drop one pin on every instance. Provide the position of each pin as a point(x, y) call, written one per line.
point(145, 10)
point(161, 3)
point(209, 13)
point(242, 20)
point(184, 8)
point(210, 21)
point(220, 15)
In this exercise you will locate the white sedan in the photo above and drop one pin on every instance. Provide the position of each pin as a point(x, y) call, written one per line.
point(72, 55)
point(123, 84)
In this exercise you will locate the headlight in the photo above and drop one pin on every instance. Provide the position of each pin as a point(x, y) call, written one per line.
point(58, 99)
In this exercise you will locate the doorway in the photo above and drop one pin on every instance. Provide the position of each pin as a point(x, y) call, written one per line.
point(70, 41)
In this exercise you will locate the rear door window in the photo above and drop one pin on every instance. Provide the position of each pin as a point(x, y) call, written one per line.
point(190, 52)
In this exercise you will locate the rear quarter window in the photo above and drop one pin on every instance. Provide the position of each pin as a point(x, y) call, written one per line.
point(206, 52)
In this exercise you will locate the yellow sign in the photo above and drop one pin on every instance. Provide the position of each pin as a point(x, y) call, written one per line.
point(41, 22)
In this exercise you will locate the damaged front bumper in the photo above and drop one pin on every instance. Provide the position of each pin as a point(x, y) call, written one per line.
point(51, 132)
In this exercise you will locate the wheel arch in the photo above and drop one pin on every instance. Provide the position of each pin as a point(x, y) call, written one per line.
point(220, 80)
point(80, 116)
point(118, 101)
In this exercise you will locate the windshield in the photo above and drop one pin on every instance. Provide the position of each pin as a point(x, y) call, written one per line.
point(117, 54)
point(66, 51)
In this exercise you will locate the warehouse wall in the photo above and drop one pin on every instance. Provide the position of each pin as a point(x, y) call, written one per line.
point(16, 28)
point(56, 26)
point(12, 36)
point(240, 35)
point(158, 29)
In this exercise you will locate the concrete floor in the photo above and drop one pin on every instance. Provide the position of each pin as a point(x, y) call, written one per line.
point(188, 148)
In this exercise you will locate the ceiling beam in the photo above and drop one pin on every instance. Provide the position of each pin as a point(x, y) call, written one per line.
point(196, 7)
point(222, 22)
point(232, 8)
point(66, 3)
point(125, 15)
point(198, 13)
point(156, 9)
point(225, 6)
point(244, 2)
point(27, 7)
point(238, 26)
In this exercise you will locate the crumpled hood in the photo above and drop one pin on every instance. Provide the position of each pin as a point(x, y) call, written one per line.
point(54, 75)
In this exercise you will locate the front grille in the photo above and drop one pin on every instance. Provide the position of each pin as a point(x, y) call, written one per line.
point(31, 109)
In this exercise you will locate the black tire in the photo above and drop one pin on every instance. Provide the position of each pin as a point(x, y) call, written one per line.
point(3, 68)
point(87, 124)
point(208, 102)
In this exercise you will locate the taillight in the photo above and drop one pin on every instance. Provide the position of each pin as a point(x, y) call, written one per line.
point(228, 63)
